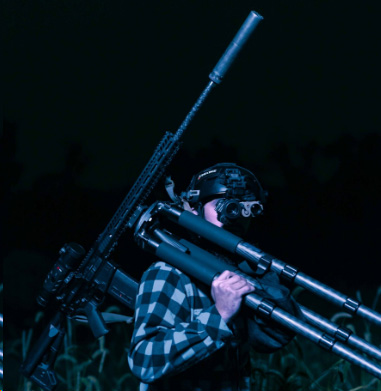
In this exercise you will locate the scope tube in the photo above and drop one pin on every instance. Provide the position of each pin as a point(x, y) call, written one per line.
point(284, 318)
point(289, 273)
point(237, 245)
point(341, 333)
point(205, 269)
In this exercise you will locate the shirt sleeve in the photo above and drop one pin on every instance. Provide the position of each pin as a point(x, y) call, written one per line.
point(166, 338)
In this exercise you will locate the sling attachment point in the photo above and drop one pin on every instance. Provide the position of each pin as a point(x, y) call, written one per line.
point(343, 333)
point(264, 265)
point(289, 273)
point(265, 309)
point(326, 342)
point(351, 306)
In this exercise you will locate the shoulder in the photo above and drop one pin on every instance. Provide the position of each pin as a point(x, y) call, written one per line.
point(161, 274)
point(162, 270)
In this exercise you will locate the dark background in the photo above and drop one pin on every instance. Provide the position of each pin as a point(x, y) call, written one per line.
point(91, 87)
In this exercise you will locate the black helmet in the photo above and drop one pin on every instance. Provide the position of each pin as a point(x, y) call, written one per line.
point(224, 180)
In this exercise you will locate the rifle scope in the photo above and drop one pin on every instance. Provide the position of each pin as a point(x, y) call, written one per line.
point(70, 255)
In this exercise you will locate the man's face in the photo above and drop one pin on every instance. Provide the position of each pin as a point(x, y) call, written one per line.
point(238, 227)
point(210, 213)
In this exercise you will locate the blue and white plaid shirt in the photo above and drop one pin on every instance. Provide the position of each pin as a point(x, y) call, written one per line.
point(180, 342)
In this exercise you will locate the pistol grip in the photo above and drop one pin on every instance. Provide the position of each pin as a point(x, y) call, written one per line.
point(95, 319)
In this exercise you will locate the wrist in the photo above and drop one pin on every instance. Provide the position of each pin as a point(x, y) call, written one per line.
point(226, 316)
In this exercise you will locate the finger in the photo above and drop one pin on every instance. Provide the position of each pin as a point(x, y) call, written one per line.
point(226, 274)
point(237, 279)
point(238, 284)
point(233, 279)
point(246, 289)
point(229, 284)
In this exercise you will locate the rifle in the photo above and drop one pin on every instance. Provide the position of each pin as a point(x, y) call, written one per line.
point(79, 282)
point(204, 266)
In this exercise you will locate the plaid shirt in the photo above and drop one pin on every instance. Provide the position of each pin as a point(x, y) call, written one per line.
point(180, 342)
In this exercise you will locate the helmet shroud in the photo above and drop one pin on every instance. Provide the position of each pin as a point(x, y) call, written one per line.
point(224, 180)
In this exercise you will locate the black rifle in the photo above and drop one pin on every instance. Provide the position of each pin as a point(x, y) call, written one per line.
point(204, 266)
point(78, 282)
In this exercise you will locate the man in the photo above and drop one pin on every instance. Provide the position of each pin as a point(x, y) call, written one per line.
point(190, 337)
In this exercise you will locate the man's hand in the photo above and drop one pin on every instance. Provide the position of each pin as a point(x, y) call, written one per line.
point(227, 291)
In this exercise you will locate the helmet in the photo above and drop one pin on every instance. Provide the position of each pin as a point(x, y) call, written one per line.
point(224, 180)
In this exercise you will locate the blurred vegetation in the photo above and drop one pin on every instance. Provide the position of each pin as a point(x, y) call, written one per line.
point(303, 366)
point(84, 364)
point(321, 198)
point(1, 335)
point(101, 365)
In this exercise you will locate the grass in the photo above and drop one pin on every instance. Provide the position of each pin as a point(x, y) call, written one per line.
point(303, 366)
point(1, 340)
point(291, 370)
point(86, 364)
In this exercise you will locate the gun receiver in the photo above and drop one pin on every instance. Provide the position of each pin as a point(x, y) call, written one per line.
point(79, 282)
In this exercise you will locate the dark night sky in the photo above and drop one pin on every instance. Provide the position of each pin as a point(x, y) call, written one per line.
point(113, 76)
point(91, 87)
